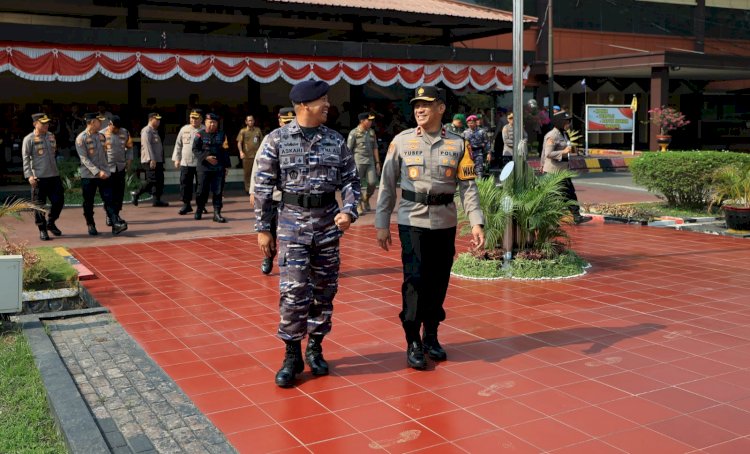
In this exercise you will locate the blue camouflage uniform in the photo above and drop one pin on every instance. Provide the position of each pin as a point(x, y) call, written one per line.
point(480, 145)
point(308, 172)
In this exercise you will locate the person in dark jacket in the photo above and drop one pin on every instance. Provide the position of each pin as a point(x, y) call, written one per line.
point(211, 152)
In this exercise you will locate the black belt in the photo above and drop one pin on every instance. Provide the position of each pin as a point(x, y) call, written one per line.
point(425, 198)
point(309, 200)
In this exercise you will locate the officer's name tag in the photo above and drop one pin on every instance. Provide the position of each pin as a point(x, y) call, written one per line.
point(291, 150)
point(412, 153)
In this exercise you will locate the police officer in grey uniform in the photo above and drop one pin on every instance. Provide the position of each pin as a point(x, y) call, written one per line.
point(428, 161)
point(152, 161)
point(119, 148)
point(555, 157)
point(364, 145)
point(308, 162)
point(95, 174)
point(212, 157)
point(183, 158)
point(39, 151)
point(286, 115)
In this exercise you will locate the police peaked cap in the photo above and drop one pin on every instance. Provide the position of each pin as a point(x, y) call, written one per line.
point(427, 93)
point(560, 118)
point(365, 116)
point(196, 113)
point(41, 118)
point(213, 116)
point(308, 90)
point(154, 115)
point(94, 116)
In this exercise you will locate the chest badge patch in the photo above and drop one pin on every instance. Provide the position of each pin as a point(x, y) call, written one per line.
point(413, 172)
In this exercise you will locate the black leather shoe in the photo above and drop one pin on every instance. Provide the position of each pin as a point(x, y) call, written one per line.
point(135, 196)
point(92, 229)
point(198, 215)
point(53, 229)
point(433, 348)
point(43, 235)
point(581, 219)
point(160, 203)
point(109, 222)
point(119, 228)
point(205, 211)
point(266, 266)
point(186, 208)
point(415, 356)
point(314, 356)
point(219, 218)
point(292, 365)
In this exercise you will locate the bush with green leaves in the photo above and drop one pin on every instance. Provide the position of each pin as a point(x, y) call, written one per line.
point(683, 178)
point(536, 202)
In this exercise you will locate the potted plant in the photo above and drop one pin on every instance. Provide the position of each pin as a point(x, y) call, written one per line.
point(666, 119)
point(730, 189)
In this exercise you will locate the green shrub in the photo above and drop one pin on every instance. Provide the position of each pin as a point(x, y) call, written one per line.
point(683, 178)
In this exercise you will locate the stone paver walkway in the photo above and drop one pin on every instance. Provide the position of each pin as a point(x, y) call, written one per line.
point(649, 352)
point(137, 407)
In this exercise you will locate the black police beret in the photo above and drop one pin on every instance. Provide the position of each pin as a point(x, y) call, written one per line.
point(308, 90)
point(93, 116)
point(427, 93)
point(366, 116)
point(212, 116)
point(40, 117)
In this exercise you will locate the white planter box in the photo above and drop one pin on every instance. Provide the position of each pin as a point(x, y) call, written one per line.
point(11, 283)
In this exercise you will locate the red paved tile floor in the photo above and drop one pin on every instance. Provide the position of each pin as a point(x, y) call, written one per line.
point(648, 353)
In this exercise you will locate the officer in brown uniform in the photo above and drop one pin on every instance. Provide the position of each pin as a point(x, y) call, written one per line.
point(364, 146)
point(39, 151)
point(95, 174)
point(152, 161)
point(119, 146)
point(248, 142)
point(555, 157)
point(183, 158)
point(430, 162)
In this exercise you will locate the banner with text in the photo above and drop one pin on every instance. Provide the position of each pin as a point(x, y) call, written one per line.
point(609, 118)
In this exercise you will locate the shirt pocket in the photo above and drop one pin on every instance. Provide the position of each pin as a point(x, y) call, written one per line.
point(414, 167)
point(446, 169)
point(329, 166)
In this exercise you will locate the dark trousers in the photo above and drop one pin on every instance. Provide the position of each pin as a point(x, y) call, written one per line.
point(154, 183)
point(187, 176)
point(210, 181)
point(51, 189)
point(274, 224)
point(89, 187)
point(570, 194)
point(427, 257)
point(117, 180)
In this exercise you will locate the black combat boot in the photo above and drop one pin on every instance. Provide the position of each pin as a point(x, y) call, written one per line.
point(53, 228)
point(431, 345)
point(108, 221)
point(198, 214)
point(135, 195)
point(186, 208)
point(293, 364)
point(43, 235)
point(415, 355)
point(92, 229)
point(158, 202)
point(314, 355)
point(118, 227)
point(218, 217)
point(266, 266)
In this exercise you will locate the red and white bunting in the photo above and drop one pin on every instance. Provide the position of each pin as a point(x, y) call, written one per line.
point(77, 63)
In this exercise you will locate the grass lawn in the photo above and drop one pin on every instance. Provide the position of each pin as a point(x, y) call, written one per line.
point(53, 270)
point(26, 424)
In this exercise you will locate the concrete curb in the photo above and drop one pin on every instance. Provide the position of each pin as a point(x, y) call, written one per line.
point(72, 415)
point(594, 164)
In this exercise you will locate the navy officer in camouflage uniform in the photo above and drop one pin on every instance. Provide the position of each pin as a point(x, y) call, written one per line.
point(95, 174)
point(430, 162)
point(308, 162)
point(480, 143)
point(39, 151)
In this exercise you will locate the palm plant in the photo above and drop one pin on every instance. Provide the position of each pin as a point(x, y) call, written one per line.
point(14, 208)
point(731, 184)
point(496, 208)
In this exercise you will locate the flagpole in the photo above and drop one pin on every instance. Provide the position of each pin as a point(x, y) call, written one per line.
point(585, 110)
